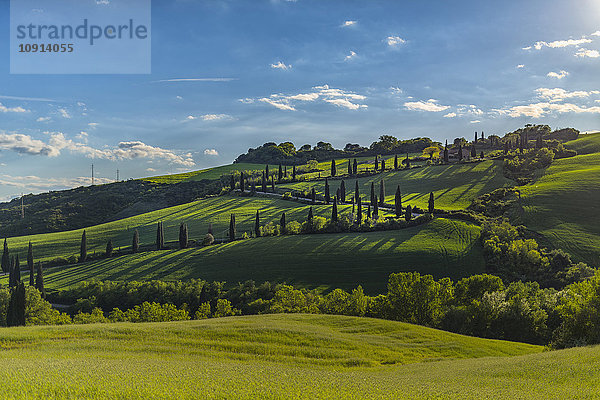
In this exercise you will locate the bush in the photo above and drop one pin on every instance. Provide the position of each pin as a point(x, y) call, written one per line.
point(293, 228)
point(154, 312)
point(224, 309)
point(208, 239)
point(203, 311)
point(96, 316)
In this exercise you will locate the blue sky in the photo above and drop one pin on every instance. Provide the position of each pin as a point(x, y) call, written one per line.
point(229, 75)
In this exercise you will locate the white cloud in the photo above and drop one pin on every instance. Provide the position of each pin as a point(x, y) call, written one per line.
point(475, 121)
point(93, 125)
point(430, 105)
point(527, 48)
point(338, 97)
point(64, 113)
point(349, 23)
point(597, 33)
point(25, 144)
point(450, 115)
point(538, 110)
point(32, 183)
point(179, 97)
point(558, 75)
point(215, 117)
point(195, 80)
point(5, 109)
point(396, 90)
point(561, 43)
point(394, 41)
point(83, 136)
point(559, 94)
point(211, 152)
point(281, 65)
point(150, 170)
point(43, 119)
point(521, 66)
point(350, 56)
point(582, 53)
point(191, 118)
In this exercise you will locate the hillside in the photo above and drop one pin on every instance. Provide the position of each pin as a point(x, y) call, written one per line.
point(562, 204)
point(586, 144)
point(267, 356)
point(454, 186)
point(198, 215)
point(327, 261)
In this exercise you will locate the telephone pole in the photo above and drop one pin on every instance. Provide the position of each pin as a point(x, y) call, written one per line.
point(92, 174)
point(117, 175)
point(22, 207)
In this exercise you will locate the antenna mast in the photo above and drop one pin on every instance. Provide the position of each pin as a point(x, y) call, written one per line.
point(22, 207)
point(92, 174)
point(117, 175)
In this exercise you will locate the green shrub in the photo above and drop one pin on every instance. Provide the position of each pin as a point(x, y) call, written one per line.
point(203, 311)
point(96, 316)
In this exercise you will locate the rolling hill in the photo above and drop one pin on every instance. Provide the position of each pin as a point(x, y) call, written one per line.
point(276, 356)
point(454, 186)
point(441, 247)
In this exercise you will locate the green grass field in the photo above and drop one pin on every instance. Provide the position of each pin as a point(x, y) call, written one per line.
point(327, 261)
point(454, 186)
point(586, 144)
point(282, 356)
point(563, 204)
point(197, 215)
point(209, 173)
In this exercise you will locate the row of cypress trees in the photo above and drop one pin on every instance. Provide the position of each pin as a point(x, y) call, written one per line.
point(12, 265)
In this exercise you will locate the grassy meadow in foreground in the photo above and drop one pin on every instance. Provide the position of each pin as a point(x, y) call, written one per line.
point(454, 186)
point(271, 356)
point(441, 247)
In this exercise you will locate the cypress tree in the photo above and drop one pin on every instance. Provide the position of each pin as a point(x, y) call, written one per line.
point(267, 170)
point(407, 161)
point(408, 214)
point(232, 182)
point(383, 165)
point(481, 155)
point(475, 137)
point(446, 157)
point(253, 188)
point(264, 182)
point(39, 280)
point(183, 236)
point(359, 211)
point(135, 244)
point(273, 184)
point(5, 258)
point(376, 163)
point(279, 174)
point(242, 184)
point(334, 211)
point(232, 228)
point(354, 167)
point(368, 211)
point(431, 207)
point(282, 224)
point(342, 197)
point(15, 315)
point(285, 171)
point(353, 208)
point(337, 193)
point(398, 202)
point(309, 220)
point(349, 168)
point(327, 195)
point(473, 152)
point(356, 192)
point(313, 195)
point(333, 170)
point(17, 269)
point(83, 248)
point(257, 224)
point(294, 174)
point(210, 228)
point(162, 235)
point(109, 248)
point(382, 193)
point(481, 135)
point(158, 244)
point(396, 162)
point(372, 193)
point(460, 155)
point(375, 209)
point(30, 265)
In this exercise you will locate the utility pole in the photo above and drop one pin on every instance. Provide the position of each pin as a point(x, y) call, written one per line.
point(92, 174)
point(22, 207)
point(117, 175)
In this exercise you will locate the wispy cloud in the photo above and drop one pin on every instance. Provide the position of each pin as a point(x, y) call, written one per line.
point(64, 113)
point(430, 105)
point(280, 65)
point(538, 110)
point(349, 23)
point(28, 99)
point(559, 94)
point(211, 152)
point(4, 109)
point(209, 117)
point(196, 80)
point(43, 119)
point(521, 66)
point(450, 115)
point(350, 56)
point(558, 75)
point(582, 53)
point(394, 41)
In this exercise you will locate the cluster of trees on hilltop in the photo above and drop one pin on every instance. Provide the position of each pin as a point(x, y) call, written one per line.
point(287, 153)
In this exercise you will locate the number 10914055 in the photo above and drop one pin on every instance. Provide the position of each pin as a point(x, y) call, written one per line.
point(46, 48)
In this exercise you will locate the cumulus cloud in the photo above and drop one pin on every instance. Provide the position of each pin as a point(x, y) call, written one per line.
point(582, 53)
point(475, 121)
point(561, 43)
point(559, 94)
point(430, 105)
point(337, 97)
point(280, 65)
point(521, 66)
point(211, 152)
point(450, 115)
point(5, 109)
point(64, 113)
point(558, 75)
point(537, 110)
point(350, 56)
point(396, 90)
point(349, 23)
point(597, 33)
point(25, 144)
point(394, 41)
point(191, 118)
